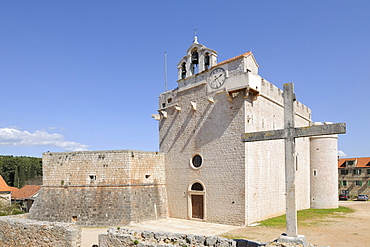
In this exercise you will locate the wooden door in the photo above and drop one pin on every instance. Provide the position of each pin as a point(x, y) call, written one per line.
point(197, 206)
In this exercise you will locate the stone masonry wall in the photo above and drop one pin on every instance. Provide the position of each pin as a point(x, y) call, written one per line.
point(102, 188)
point(126, 237)
point(96, 168)
point(211, 131)
point(16, 231)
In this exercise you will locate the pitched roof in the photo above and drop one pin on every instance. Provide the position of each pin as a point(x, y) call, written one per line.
point(3, 186)
point(234, 58)
point(26, 191)
point(360, 162)
point(13, 189)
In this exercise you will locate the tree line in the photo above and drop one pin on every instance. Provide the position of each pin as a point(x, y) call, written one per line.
point(19, 171)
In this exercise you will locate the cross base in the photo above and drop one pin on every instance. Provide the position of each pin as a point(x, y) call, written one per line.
point(299, 240)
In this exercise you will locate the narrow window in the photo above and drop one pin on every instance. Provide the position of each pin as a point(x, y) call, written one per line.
point(314, 173)
point(206, 61)
point(183, 70)
point(194, 61)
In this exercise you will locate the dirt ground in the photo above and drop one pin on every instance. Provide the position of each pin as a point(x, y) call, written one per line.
point(351, 230)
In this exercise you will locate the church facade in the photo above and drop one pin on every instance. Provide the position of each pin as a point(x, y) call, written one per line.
point(203, 170)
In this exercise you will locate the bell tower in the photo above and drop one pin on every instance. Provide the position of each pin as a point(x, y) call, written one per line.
point(198, 58)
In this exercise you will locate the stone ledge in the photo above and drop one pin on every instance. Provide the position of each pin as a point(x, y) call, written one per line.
point(120, 237)
point(16, 231)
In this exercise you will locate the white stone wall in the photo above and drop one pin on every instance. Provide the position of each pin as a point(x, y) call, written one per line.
point(213, 131)
point(324, 171)
point(244, 182)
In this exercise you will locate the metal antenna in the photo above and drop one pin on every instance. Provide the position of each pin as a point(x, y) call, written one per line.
point(165, 71)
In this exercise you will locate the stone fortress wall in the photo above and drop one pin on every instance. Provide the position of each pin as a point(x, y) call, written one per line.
point(102, 187)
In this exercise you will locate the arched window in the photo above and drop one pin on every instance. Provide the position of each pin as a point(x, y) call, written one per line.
point(194, 61)
point(197, 187)
point(194, 57)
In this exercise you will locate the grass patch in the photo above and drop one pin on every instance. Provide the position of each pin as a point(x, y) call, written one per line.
point(308, 216)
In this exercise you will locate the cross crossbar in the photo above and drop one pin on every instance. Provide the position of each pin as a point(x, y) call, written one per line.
point(289, 133)
point(315, 130)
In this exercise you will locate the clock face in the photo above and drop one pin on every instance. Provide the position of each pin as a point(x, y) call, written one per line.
point(217, 78)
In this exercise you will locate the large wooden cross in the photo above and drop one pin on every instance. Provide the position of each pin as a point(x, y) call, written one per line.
point(289, 133)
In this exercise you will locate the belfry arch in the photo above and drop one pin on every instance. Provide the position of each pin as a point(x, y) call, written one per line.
point(198, 58)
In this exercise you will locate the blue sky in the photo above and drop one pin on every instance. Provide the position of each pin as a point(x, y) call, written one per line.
point(79, 75)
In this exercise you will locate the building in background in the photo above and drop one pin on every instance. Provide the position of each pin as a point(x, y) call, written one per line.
point(6, 191)
point(25, 196)
point(354, 176)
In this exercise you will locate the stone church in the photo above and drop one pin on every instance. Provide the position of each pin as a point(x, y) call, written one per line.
point(203, 170)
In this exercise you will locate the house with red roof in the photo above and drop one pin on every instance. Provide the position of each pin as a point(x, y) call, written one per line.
point(25, 196)
point(354, 176)
point(6, 191)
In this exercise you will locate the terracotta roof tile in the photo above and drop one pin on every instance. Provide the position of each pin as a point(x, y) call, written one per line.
point(361, 162)
point(13, 189)
point(26, 191)
point(234, 58)
point(3, 186)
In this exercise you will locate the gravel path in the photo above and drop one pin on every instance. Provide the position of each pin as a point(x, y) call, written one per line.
point(352, 230)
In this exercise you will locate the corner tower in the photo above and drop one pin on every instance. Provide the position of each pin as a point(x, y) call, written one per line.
point(324, 171)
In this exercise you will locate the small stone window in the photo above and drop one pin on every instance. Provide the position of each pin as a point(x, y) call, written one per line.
point(74, 218)
point(315, 173)
point(197, 161)
point(92, 177)
point(197, 187)
point(358, 183)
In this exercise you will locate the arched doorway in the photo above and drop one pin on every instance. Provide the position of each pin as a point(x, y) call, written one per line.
point(196, 200)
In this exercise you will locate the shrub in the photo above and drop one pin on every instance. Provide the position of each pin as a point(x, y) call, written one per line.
point(9, 209)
